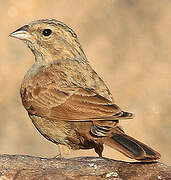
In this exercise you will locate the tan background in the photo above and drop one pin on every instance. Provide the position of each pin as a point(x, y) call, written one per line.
point(126, 41)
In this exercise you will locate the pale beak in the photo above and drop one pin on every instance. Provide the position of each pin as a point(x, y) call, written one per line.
point(21, 33)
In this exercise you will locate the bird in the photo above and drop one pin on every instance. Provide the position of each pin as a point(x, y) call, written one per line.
point(66, 100)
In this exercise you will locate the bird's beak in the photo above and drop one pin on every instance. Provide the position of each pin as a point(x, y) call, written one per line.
point(21, 33)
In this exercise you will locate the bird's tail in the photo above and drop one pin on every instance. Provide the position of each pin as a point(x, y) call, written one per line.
point(132, 148)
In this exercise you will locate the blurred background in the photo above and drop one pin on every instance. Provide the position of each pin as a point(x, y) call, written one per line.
point(128, 44)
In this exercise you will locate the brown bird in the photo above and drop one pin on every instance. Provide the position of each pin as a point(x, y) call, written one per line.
point(67, 101)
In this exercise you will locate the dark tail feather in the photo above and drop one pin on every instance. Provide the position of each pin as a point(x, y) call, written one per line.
point(132, 148)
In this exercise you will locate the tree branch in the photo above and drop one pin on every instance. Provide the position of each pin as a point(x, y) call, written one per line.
point(28, 167)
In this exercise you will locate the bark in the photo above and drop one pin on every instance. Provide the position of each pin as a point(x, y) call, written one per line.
point(23, 167)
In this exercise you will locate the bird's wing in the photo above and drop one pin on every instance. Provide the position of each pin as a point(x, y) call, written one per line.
point(51, 94)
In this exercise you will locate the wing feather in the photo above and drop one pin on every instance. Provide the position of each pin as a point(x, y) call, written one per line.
point(51, 94)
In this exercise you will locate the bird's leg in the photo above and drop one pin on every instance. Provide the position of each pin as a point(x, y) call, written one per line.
point(63, 151)
point(99, 149)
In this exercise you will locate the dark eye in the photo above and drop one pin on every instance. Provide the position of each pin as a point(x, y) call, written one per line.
point(47, 32)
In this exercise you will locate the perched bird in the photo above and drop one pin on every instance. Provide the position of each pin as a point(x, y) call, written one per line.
point(67, 101)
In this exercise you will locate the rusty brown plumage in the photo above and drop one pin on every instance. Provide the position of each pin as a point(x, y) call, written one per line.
point(66, 100)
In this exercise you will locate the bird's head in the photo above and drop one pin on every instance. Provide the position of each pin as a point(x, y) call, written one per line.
point(50, 40)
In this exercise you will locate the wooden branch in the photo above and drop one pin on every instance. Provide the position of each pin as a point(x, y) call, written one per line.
point(23, 167)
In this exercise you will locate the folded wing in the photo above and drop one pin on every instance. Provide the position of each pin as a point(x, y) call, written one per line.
point(52, 95)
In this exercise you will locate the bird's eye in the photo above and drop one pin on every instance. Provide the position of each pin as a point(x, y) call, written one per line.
point(47, 32)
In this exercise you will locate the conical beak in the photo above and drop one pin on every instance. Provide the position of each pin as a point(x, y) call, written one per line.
point(21, 33)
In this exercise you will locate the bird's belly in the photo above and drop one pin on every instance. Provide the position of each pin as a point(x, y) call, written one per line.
point(75, 135)
point(53, 130)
